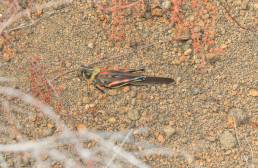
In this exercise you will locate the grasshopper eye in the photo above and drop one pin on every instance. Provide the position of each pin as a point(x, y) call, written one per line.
point(88, 75)
point(85, 73)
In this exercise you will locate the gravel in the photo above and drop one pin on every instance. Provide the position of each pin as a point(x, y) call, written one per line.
point(180, 116)
point(227, 140)
point(134, 114)
point(166, 4)
point(196, 91)
point(169, 131)
point(239, 115)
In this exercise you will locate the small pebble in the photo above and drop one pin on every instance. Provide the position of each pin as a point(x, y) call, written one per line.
point(126, 89)
point(188, 52)
point(235, 87)
point(147, 15)
point(32, 117)
point(239, 115)
point(161, 138)
point(133, 93)
point(91, 45)
point(185, 35)
point(44, 156)
point(112, 120)
point(50, 125)
point(223, 46)
point(156, 12)
point(212, 58)
point(253, 93)
point(196, 91)
point(68, 64)
point(134, 45)
point(227, 140)
point(153, 88)
point(2, 41)
point(197, 29)
point(186, 46)
point(178, 80)
point(47, 132)
point(206, 16)
point(169, 131)
point(166, 4)
point(222, 30)
point(145, 34)
point(87, 106)
point(184, 140)
point(86, 100)
point(256, 6)
point(211, 138)
point(134, 115)
point(133, 101)
point(8, 54)
point(92, 105)
point(112, 92)
point(228, 152)
point(81, 128)
point(244, 4)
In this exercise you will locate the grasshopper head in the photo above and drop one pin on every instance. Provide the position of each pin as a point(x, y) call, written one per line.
point(87, 72)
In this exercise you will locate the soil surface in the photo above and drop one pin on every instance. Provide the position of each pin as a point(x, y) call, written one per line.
point(209, 114)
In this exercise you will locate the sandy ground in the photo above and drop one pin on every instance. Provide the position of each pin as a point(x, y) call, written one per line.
point(192, 116)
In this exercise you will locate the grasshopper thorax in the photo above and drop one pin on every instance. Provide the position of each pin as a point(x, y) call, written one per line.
point(89, 72)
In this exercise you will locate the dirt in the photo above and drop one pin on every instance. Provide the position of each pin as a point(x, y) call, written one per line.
point(193, 116)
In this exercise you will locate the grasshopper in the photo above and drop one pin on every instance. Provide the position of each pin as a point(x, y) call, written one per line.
point(104, 79)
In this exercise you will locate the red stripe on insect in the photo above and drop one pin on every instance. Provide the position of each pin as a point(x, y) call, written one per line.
point(125, 80)
point(104, 73)
point(118, 82)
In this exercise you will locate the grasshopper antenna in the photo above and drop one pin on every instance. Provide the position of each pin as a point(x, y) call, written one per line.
point(65, 73)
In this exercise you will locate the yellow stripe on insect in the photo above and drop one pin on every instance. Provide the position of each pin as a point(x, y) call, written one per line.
point(95, 72)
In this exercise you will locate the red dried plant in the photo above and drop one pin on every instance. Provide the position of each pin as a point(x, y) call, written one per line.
point(13, 5)
point(176, 11)
point(41, 87)
point(117, 32)
point(203, 39)
point(118, 21)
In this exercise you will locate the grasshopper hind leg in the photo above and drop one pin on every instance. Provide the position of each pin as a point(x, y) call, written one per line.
point(124, 82)
point(131, 70)
point(137, 84)
point(136, 70)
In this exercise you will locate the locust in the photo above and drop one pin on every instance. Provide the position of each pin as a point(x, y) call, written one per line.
point(104, 79)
